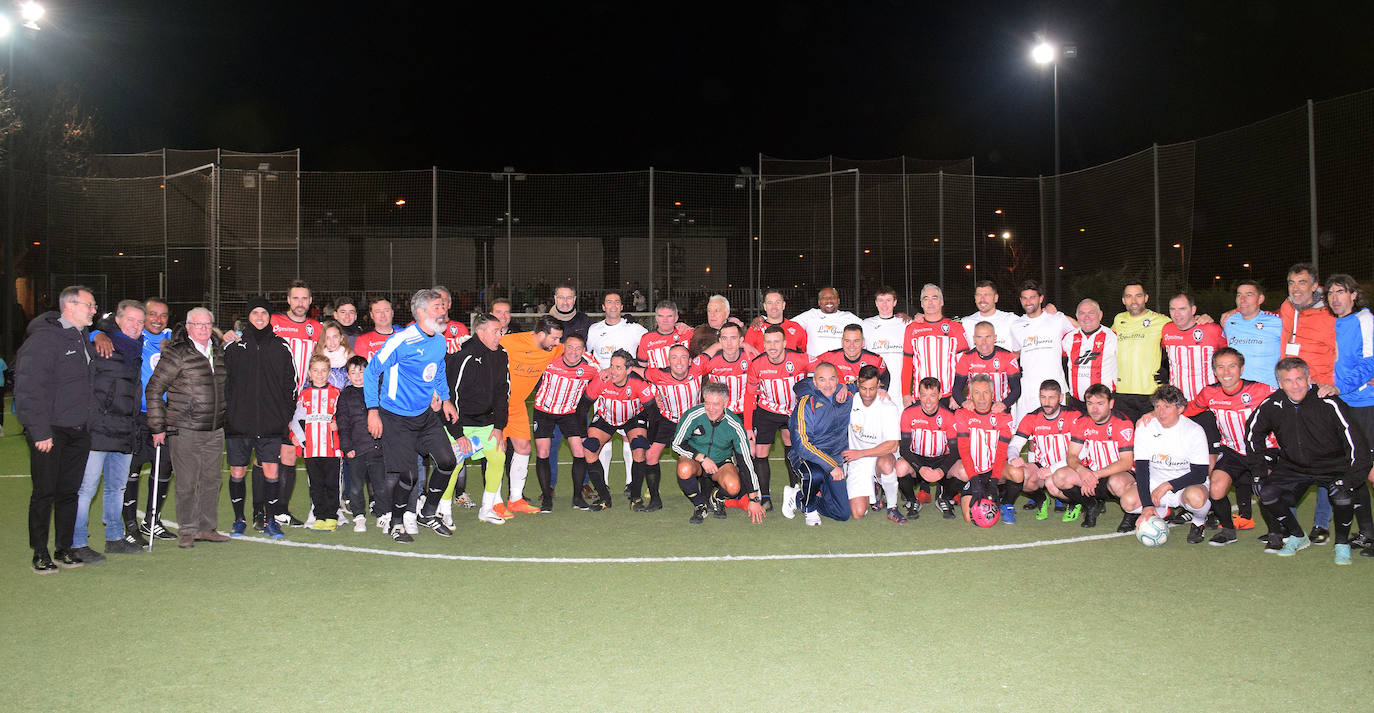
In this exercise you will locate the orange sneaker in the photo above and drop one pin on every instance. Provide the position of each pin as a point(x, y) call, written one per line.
point(1243, 523)
point(521, 505)
point(742, 502)
point(502, 511)
point(922, 497)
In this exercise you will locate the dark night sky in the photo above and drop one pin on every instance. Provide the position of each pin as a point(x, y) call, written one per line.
point(599, 86)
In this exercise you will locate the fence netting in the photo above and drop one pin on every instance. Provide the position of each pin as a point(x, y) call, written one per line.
point(215, 227)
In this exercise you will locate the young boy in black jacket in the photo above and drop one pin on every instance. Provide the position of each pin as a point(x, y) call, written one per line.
point(362, 452)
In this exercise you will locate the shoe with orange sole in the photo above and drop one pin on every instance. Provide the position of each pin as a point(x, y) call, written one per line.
point(502, 511)
point(520, 506)
point(1243, 523)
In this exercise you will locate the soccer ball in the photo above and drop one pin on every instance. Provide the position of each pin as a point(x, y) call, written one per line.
point(984, 512)
point(1152, 532)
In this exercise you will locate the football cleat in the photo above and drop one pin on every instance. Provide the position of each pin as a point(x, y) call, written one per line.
point(946, 509)
point(1090, 513)
point(1196, 533)
point(1224, 537)
point(521, 505)
point(1294, 544)
point(698, 515)
point(1342, 553)
point(1128, 521)
point(789, 501)
point(434, 523)
point(813, 518)
point(1009, 514)
point(273, 530)
point(240, 527)
point(1243, 523)
point(896, 516)
point(399, 534)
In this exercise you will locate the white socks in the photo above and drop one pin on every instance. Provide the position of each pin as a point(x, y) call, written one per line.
point(519, 471)
point(889, 483)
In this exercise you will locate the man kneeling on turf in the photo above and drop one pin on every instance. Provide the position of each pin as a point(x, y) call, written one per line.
point(873, 436)
point(1171, 462)
point(708, 439)
point(983, 437)
point(819, 427)
point(1101, 446)
point(927, 431)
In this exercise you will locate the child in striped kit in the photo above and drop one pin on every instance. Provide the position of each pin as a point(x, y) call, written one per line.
point(315, 436)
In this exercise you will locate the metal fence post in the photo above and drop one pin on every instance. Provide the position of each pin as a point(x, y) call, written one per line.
point(166, 277)
point(906, 237)
point(1312, 184)
point(1159, 267)
point(298, 211)
point(858, 297)
point(831, 179)
point(973, 203)
point(651, 300)
point(940, 227)
point(760, 223)
point(434, 227)
point(1044, 244)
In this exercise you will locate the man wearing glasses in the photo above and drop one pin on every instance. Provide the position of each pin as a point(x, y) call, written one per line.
point(52, 395)
point(192, 373)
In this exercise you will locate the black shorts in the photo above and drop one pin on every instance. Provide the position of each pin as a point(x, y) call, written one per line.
point(766, 426)
point(1133, 406)
point(1208, 421)
point(638, 421)
point(1363, 416)
point(661, 430)
point(405, 438)
point(571, 424)
point(979, 487)
point(1234, 465)
point(1287, 487)
point(941, 463)
point(239, 449)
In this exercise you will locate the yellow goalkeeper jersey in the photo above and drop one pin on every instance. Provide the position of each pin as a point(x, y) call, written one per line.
point(1137, 351)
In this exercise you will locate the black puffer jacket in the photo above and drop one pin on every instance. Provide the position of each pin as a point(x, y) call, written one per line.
point(52, 377)
point(261, 388)
point(117, 396)
point(195, 390)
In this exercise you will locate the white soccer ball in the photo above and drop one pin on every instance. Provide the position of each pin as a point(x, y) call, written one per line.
point(1152, 533)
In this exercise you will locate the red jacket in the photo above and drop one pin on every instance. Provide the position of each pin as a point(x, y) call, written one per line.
point(1313, 331)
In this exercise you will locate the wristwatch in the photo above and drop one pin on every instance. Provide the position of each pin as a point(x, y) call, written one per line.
point(755, 498)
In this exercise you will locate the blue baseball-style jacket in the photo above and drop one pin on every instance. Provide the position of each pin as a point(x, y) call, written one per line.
point(819, 427)
point(410, 367)
point(1355, 358)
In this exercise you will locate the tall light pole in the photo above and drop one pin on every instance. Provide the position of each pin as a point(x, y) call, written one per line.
point(29, 13)
point(508, 174)
point(1042, 54)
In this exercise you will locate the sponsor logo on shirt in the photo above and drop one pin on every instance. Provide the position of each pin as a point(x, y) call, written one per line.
point(431, 370)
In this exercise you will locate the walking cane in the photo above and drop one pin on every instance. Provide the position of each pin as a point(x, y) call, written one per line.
point(152, 504)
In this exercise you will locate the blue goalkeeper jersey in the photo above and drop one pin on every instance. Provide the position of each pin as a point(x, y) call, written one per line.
point(1260, 341)
point(410, 370)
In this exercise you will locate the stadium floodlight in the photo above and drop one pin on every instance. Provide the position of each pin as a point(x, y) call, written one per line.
point(31, 12)
point(1043, 53)
point(1046, 53)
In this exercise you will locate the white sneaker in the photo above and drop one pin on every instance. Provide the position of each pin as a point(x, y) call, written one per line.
point(384, 523)
point(464, 501)
point(412, 525)
point(789, 501)
point(282, 519)
point(445, 513)
point(813, 518)
point(489, 515)
point(360, 523)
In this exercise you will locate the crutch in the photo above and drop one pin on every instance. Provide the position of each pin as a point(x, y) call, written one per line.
point(152, 504)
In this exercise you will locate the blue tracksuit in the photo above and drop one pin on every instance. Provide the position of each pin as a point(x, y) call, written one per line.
point(1260, 341)
point(820, 433)
point(410, 367)
point(1355, 358)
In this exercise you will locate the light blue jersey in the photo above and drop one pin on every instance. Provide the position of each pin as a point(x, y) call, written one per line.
point(152, 351)
point(1260, 341)
point(410, 367)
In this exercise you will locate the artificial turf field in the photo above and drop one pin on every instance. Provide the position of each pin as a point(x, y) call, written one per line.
point(1084, 625)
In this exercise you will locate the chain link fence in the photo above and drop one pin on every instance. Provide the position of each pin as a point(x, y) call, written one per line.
point(214, 227)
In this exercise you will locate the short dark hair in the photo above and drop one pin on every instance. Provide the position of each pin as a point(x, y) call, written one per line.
point(1186, 296)
point(483, 319)
point(1051, 385)
point(667, 304)
point(1031, 285)
point(729, 325)
point(775, 329)
point(547, 324)
point(1099, 390)
point(929, 382)
point(854, 327)
point(866, 372)
point(1306, 267)
point(160, 300)
point(357, 360)
point(985, 283)
point(624, 355)
point(1169, 394)
point(500, 301)
point(575, 335)
point(1136, 283)
point(1227, 351)
point(372, 301)
point(1250, 283)
point(298, 284)
point(1291, 363)
point(345, 300)
point(885, 290)
point(1350, 285)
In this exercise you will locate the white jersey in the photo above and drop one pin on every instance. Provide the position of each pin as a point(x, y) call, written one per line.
point(604, 339)
point(1001, 326)
point(1171, 451)
point(824, 331)
point(1042, 356)
point(874, 425)
point(883, 336)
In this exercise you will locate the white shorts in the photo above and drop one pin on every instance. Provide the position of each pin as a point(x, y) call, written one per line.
point(858, 477)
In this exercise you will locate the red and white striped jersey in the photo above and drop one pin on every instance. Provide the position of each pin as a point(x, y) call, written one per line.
point(1190, 355)
point(654, 346)
point(369, 343)
point(618, 404)
point(1049, 437)
point(314, 422)
point(983, 439)
point(1101, 444)
point(454, 333)
point(561, 386)
point(928, 434)
point(301, 337)
point(796, 335)
point(1092, 360)
point(849, 370)
point(929, 349)
point(770, 385)
point(1232, 411)
point(1000, 367)
point(734, 374)
point(675, 395)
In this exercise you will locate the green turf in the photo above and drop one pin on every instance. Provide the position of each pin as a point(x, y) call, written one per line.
point(1099, 625)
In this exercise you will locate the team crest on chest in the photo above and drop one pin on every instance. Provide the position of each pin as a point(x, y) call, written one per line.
point(1197, 335)
point(309, 330)
point(1061, 424)
point(939, 421)
point(992, 420)
point(579, 371)
point(790, 368)
point(1259, 325)
point(997, 363)
point(1109, 430)
point(1245, 397)
point(944, 327)
point(1145, 322)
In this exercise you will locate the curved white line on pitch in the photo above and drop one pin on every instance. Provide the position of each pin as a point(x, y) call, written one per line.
point(659, 560)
